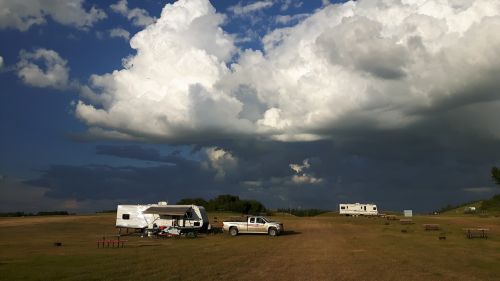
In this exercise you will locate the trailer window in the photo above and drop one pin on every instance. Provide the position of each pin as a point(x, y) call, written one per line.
point(374, 208)
point(343, 208)
point(126, 216)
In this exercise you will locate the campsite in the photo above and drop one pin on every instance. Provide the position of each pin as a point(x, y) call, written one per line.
point(323, 247)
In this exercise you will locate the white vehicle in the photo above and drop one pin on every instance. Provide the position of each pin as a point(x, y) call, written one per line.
point(161, 215)
point(253, 224)
point(358, 209)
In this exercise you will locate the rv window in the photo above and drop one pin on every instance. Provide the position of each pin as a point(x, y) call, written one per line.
point(374, 208)
point(126, 216)
point(343, 208)
point(189, 215)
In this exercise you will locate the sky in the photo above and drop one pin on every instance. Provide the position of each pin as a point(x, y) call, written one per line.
point(297, 104)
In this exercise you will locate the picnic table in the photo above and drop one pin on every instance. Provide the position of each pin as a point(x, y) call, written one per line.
point(478, 232)
point(431, 226)
point(406, 221)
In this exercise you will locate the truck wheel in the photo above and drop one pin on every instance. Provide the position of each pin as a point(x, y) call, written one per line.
point(273, 232)
point(233, 231)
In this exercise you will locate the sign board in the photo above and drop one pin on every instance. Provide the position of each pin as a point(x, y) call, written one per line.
point(408, 213)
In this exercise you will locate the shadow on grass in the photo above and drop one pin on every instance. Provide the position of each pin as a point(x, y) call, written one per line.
point(284, 233)
point(289, 232)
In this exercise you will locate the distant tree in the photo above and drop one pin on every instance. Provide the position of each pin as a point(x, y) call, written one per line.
point(227, 203)
point(193, 201)
point(495, 174)
point(53, 213)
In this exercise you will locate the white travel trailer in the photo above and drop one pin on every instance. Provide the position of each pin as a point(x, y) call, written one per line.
point(154, 216)
point(358, 209)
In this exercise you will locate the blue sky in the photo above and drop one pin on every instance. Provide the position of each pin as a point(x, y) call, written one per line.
point(303, 103)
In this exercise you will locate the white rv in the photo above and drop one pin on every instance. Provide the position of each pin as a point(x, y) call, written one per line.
point(154, 216)
point(358, 209)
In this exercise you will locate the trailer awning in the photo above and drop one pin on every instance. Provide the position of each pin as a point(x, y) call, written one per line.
point(167, 211)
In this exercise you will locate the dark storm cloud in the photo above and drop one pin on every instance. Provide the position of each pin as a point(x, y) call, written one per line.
point(140, 153)
point(126, 183)
point(441, 159)
point(397, 169)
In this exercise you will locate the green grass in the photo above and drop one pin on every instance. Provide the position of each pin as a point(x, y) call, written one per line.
point(325, 247)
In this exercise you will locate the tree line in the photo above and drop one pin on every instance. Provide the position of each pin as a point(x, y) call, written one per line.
point(303, 212)
point(227, 203)
point(23, 214)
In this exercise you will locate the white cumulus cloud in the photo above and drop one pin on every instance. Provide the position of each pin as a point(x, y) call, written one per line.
point(22, 14)
point(297, 168)
point(286, 19)
point(240, 9)
point(168, 90)
point(364, 64)
point(221, 161)
point(139, 17)
point(302, 177)
point(43, 68)
point(119, 33)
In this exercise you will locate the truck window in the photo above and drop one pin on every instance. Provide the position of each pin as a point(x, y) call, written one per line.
point(252, 220)
point(126, 216)
point(260, 220)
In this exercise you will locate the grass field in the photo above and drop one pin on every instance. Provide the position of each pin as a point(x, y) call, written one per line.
point(325, 247)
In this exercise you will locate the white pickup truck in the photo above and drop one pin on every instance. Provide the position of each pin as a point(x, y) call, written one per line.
point(253, 224)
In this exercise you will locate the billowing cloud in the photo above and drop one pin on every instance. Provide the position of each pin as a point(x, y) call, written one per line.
point(53, 71)
point(220, 160)
point(168, 90)
point(302, 177)
point(355, 66)
point(139, 17)
point(119, 33)
point(22, 14)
